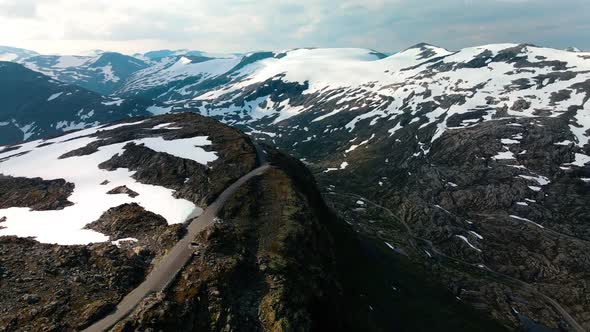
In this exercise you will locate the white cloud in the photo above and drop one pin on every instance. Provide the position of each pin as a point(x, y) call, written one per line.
point(70, 26)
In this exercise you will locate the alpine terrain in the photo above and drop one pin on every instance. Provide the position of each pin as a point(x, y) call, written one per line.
point(35, 105)
point(178, 222)
point(303, 189)
point(103, 73)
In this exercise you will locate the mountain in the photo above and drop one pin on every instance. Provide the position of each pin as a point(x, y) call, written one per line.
point(155, 56)
point(103, 73)
point(452, 179)
point(573, 49)
point(158, 80)
point(179, 80)
point(480, 155)
point(15, 54)
point(366, 88)
point(187, 205)
point(34, 105)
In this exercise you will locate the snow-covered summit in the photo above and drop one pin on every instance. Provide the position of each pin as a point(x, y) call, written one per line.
point(429, 85)
point(15, 54)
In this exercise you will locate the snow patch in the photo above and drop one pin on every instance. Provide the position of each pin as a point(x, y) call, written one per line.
point(127, 239)
point(504, 155)
point(468, 243)
point(527, 220)
point(158, 110)
point(117, 102)
point(54, 96)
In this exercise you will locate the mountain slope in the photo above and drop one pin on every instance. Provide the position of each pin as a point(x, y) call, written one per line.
point(103, 189)
point(189, 78)
point(34, 105)
point(275, 258)
point(424, 84)
point(171, 70)
point(283, 261)
point(103, 73)
point(483, 153)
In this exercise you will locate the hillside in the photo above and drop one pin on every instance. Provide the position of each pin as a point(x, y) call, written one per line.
point(106, 204)
point(482, 153)
point(284, 261)
point(112, 202)
point(102, 73)
point(36, 106)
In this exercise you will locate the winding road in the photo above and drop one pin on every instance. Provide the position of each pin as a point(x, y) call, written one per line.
point(170, 265)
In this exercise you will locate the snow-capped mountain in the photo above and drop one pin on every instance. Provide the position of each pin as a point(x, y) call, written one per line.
point(183, 78)
point(104, 72)
point(474, 162)
point(187, 71)
point(15, 54)
point(424, 86)
point(156, 56)
point(35, 105)
point(482, 152)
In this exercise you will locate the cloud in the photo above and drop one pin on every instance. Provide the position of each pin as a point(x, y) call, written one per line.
point(19, 9)
point(244, 25)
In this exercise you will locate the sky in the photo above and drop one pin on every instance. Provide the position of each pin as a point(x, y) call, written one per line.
point(129, 26)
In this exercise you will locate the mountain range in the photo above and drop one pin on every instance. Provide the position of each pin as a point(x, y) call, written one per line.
point(471, 167)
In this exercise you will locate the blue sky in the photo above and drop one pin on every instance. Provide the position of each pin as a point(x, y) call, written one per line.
point(71, 26)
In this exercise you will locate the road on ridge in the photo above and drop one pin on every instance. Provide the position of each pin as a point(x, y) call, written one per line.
point(170, 265)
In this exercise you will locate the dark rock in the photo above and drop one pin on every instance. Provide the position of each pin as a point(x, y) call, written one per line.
point(31, 298)
point(123, 190)
point(36, 193)
point(520, 105)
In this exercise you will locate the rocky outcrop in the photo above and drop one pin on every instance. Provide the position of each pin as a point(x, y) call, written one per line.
point(37, 194)
point(249, 271)
point(123, 190)
point(46, 287)
point(151, 233)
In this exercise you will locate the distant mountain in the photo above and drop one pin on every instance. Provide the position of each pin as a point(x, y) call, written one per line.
point(424, 84)
point(180, 79)
point(15, 54)
point(178, 76)
point(573, 49)
point(155, 56)
point(34, 105)
point(103, 73)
